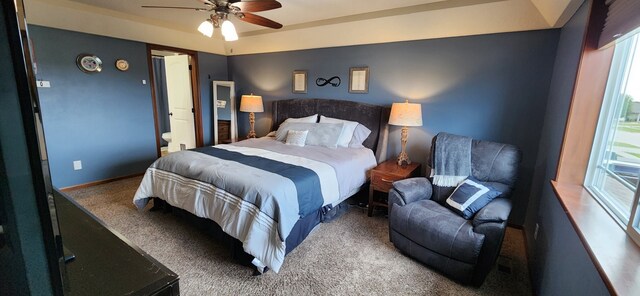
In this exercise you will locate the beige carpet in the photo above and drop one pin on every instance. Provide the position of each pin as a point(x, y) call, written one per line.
point(350, 256)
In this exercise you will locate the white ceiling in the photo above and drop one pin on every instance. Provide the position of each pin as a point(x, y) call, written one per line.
point(307, 23)
point(292, 11)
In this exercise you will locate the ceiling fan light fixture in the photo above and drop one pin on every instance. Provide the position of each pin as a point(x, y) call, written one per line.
point(229, 31)
point(231, 37)
point(206, 28)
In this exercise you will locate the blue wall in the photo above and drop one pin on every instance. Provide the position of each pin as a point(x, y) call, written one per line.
point(491, 87)
point(104, 119)
point(210, 67)
point(559, 262)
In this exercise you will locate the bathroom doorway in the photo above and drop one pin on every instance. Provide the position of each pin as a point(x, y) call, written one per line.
point(176, 103)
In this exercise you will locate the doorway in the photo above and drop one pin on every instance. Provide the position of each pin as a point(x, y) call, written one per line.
point(176, 98)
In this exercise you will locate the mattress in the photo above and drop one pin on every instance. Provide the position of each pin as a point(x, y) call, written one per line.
point(257, 189)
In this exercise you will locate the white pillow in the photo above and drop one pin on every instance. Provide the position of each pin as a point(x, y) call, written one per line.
point(359, 136)
point(296, 138)
point(320, 134)
point(347, 131)
point(309, 119)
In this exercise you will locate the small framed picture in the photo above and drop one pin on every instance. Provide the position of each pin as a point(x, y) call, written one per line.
point(299, 84)
point(359, 80)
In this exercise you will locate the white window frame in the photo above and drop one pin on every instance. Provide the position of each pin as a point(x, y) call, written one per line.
point(605, 135)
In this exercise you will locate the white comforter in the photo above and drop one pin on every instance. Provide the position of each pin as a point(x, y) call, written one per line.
point(255, 206)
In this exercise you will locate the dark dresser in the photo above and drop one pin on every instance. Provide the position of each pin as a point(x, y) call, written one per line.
point(106, 263)
point(224, 131)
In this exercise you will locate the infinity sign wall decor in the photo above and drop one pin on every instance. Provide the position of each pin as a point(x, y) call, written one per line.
point(332, 81)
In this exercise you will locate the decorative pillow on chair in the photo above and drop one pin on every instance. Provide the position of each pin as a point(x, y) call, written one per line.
point(470, 197)
point(297, 138)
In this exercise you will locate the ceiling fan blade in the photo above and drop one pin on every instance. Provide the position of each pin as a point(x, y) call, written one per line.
point(257, 5)
point(174, 7)
point(258, 20)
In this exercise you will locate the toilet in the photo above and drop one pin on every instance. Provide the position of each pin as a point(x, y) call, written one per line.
point(167, 137)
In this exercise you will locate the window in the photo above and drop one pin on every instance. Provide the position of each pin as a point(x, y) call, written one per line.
point(614, 166)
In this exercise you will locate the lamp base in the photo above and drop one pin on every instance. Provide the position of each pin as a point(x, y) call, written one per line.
point(252, 121)
point(403, 159)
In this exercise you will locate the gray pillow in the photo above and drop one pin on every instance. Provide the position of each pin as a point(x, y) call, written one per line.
point(360, 134)
point(297, 138)
point(320, 134)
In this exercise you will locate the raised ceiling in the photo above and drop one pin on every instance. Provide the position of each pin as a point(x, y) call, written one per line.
point(307, 24)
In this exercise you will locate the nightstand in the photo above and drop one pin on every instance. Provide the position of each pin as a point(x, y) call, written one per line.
point(386, 173)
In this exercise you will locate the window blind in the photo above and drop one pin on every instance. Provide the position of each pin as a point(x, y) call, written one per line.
point(623, 17)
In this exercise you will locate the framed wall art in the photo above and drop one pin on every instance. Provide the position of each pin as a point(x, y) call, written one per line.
point(299, 84)
point(359, 80)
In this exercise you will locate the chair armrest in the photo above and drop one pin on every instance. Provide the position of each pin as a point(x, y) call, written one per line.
point(497, 210)
point(410, 190)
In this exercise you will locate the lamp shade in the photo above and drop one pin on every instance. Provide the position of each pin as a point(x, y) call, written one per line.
point(206, 28)
point(251, 103)
point(231, 37)
point(229, 31)
point(406, 114)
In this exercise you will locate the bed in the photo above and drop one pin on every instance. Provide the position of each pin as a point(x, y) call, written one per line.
point(268, 195)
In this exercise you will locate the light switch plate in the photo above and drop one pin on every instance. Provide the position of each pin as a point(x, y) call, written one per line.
point(77, 165)
point(43, 83)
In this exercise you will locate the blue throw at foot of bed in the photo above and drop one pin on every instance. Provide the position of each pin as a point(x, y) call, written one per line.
point(306, 181)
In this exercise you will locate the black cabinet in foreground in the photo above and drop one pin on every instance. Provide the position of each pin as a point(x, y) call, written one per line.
point(105, 262)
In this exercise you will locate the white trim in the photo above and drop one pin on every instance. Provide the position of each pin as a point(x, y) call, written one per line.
point(599, 161)
point(232, 106)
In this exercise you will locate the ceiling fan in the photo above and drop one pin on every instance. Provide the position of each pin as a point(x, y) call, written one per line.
point(221, 9)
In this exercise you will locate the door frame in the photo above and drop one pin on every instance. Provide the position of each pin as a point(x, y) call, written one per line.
point(195, 92)
point(31, 192)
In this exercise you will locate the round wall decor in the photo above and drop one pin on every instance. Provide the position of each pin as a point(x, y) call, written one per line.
point(89, 63)
point(122, 65)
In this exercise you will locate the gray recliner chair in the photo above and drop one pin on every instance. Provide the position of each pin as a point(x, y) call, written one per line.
point(423, 228)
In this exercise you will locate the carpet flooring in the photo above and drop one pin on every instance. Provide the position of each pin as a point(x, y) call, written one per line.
point(349, 256)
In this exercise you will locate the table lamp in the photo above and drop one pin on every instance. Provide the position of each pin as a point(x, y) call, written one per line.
point(405, 114)
point(251, 103)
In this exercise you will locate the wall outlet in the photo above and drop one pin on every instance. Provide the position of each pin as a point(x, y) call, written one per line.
point(535, 232)
point(144, 81)
point(77, 165)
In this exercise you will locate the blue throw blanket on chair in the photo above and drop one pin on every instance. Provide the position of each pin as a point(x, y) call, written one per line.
point(450, 160)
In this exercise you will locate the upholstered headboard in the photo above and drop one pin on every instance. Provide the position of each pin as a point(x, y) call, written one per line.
point(373, 117)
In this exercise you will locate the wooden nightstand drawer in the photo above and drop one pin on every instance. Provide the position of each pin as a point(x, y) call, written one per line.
point(383, 176)
point(382, 182)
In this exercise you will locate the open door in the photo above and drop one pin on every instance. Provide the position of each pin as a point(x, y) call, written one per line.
point(181, 111)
